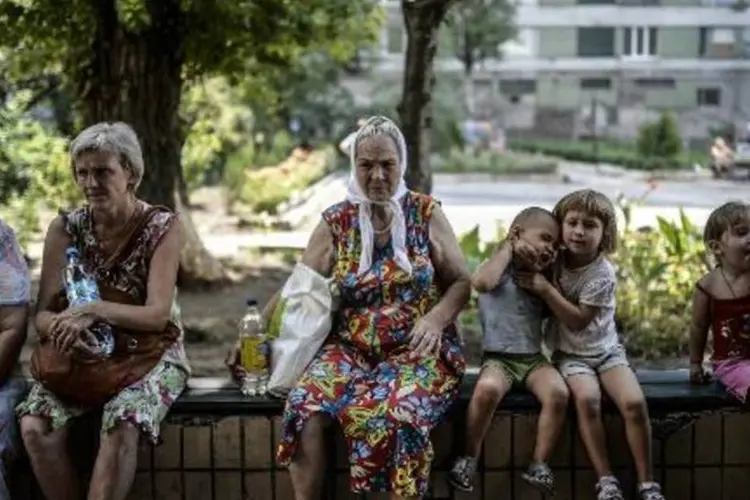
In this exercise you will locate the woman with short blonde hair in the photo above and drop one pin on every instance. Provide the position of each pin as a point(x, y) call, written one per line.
point(133, 250)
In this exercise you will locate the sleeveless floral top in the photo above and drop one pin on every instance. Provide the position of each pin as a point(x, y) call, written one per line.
point(129, 275)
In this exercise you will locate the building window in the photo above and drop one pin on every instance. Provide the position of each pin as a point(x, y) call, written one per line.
point(717, 43)
point(639, 3)
point(639, 41)
point(596, 42)
point(709, 97)
point(655, 83)
point(395, 34)
point(517, 87)
point(596, 83)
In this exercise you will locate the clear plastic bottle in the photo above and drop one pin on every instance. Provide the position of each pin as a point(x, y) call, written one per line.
point(254, 351)
point(81, 288)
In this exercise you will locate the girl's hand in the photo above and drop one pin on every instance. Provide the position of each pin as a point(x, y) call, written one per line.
point(534, 282)
point(699, 375)
point(526, 254)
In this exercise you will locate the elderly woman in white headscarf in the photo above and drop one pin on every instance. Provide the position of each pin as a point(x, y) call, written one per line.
point(132, 249)
point(392, 364)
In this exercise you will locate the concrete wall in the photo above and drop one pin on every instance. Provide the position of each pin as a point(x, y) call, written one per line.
point(233, 460)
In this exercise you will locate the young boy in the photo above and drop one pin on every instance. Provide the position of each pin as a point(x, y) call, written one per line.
point(511, 321)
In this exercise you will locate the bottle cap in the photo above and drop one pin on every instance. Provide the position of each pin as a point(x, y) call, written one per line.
point(251, 303)
point(72, 252)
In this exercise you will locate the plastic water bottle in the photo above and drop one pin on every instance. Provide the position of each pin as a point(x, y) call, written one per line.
point(254, 351)
point(81, 288)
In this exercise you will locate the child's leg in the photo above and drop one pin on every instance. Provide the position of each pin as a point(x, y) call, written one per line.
point(492, 386)
point(546, 383)
point(587, 396)
point(622, 386)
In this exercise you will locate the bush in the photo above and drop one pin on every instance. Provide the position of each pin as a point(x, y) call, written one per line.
point(660, 139)
point(34, 168)
point(216, 123)
point(657, 270)
point(624, 155)
point(266, 189)
point(494, 162)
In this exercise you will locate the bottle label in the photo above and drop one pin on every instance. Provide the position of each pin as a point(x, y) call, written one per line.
point(254, 354)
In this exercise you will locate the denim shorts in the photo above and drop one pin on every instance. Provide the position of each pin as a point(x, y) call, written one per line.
point(572, 364)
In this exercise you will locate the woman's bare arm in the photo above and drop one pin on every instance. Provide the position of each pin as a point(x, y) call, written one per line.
point(318, 255)
point(53, 262)
point(451, 268)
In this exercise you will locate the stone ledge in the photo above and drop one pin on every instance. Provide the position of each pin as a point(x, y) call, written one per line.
point(227, 450)
point(666, 392)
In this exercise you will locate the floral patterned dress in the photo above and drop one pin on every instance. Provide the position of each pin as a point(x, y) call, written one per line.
point(146, 402)
point(385, 398)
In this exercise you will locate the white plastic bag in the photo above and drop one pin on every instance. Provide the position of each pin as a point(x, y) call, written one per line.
point(304, 321)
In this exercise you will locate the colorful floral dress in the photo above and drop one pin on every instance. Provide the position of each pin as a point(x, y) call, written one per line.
point(386, 399)
point(146, 402)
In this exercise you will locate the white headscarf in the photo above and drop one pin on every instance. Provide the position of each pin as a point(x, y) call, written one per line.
point(380, 125)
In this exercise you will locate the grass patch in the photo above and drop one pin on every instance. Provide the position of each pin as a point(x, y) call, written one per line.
point(622, 154)
point(495, 163)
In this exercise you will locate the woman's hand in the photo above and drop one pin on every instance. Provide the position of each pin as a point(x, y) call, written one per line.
point(425, 337)
point(698, 374)
point(232, 362)
point(534, 282)
point(69, 331)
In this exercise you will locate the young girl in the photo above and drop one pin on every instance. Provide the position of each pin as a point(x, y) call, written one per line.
point(586, 346)
point(512, 328)
point(721, 301)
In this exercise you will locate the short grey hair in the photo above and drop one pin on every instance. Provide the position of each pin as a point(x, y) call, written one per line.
point(117, 138)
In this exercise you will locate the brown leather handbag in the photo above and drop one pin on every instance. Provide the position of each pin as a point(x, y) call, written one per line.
point(92, 382)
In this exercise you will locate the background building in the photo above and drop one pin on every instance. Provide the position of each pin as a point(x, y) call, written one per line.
point(603, 66)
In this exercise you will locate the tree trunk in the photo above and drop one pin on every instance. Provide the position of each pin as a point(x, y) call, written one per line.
point(422, 19)
point(136, 78)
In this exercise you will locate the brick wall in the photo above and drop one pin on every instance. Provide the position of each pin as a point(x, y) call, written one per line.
point(232, 460)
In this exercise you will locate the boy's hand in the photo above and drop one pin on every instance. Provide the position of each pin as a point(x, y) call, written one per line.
point(532, 281)
point(698, 374)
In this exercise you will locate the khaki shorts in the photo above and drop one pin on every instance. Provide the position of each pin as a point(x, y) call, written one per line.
point(572, 364)
point(515, 367)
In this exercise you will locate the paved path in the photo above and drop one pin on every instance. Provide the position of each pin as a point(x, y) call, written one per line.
point(475, 200)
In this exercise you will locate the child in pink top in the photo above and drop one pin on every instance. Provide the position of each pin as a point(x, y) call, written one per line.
point(721, 302)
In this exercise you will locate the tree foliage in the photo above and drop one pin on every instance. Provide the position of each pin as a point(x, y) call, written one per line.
point(129, 59)
point(479, 28)
point(214, 37)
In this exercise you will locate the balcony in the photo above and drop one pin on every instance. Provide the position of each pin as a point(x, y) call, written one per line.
point(394, 64)
point(613, 15)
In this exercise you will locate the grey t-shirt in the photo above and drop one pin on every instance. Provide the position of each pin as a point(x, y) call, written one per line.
point(511, 318)
point(595, 285)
